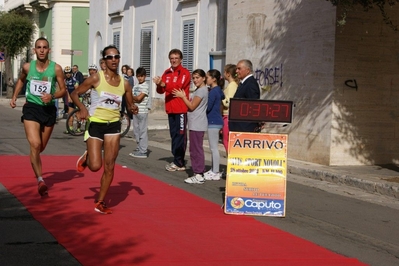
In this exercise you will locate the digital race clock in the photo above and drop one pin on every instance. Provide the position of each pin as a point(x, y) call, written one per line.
point(260, 110)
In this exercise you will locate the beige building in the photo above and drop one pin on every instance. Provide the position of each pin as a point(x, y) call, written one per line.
point(344, 81)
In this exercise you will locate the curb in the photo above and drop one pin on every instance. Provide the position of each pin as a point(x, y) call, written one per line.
point(383, 188)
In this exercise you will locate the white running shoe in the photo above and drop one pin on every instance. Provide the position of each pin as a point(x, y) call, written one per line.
point(212, 176)
point(171, 167)
point(195, 179)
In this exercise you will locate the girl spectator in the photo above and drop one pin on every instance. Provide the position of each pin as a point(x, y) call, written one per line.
point(229, 91)
point(215, 82)
point(197, 124)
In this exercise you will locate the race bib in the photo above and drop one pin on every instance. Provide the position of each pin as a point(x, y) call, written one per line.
point(110, 100)
point(38, 87)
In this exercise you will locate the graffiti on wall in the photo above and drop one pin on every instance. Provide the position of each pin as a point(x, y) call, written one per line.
point(267, 77)
point(351, 83)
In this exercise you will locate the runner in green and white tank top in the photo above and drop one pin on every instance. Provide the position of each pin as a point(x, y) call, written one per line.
point(40, 83)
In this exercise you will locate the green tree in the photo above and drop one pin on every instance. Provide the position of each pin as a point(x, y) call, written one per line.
point(15, 36)
point(348, 5)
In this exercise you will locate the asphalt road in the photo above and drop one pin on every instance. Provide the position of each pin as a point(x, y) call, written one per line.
point(345, 220)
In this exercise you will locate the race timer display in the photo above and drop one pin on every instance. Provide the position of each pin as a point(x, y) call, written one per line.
point(260, 110)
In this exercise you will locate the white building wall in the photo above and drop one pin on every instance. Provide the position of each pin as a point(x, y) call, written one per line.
point(166, 18)
point(292, 50)
point(62, 33)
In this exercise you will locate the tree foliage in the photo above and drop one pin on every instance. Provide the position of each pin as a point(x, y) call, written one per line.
point(382, 5)
point(16, 34)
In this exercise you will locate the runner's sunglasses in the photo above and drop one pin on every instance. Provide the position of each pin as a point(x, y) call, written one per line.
point(112, 56)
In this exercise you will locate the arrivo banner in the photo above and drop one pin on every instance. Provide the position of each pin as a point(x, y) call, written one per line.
point(256, 174)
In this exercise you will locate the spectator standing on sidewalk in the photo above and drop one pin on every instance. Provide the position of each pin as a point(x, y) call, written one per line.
point(231, 76)
point(103, 118)
point(39, 112)
point(215, 82)
point(248, 89)
point(140, 120)
point(197, 124)
point(176, 77)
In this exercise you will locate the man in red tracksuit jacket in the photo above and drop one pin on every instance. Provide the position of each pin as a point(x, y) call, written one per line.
point(175, 77)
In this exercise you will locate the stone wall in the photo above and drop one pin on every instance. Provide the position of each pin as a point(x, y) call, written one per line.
point(366, 95)
point(299, 54)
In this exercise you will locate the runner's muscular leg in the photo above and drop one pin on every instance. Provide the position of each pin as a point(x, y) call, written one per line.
point(33, 135)
point(111, 150)
point(94, 158)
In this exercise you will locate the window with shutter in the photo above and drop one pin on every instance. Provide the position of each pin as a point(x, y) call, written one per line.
point(145, 58)
point(116, 39)
point(145, 50)
point(188, 44)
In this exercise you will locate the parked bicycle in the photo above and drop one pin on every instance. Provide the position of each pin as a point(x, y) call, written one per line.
point(76, 126)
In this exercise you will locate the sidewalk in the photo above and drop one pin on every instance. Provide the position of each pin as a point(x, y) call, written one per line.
point(373, 178)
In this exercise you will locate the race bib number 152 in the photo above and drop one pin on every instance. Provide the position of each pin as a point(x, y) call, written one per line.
point(38, 87)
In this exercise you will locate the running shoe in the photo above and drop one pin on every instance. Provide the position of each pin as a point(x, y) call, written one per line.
point(208, 173)
point(81, 163)
point(195, 179)
point(102, 208)
point(173, 167)
point(42, 188)
point(138, 154)
point(212, 176)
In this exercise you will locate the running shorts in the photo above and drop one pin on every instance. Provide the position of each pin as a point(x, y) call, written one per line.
point(44, 115)
point(99, 130)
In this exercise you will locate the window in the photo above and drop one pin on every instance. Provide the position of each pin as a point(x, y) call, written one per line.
point(145, 50)
point(145, 57)
point(116, 39)
point(188, 44)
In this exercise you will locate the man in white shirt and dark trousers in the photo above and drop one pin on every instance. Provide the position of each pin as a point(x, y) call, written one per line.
point(140, 120)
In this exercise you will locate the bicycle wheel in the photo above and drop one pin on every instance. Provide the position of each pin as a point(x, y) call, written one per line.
point(125, 124)
point(74, 125)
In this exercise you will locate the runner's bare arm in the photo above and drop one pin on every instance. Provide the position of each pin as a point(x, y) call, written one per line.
point(20, 83)
point(129, 99)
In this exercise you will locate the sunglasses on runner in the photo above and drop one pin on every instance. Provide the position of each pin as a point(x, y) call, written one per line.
point(112, 56)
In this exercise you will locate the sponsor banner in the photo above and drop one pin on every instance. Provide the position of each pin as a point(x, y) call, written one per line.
point(256, 174)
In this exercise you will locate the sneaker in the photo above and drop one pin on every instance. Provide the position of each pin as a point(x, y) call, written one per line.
point(208, 173)
point(138, 154)
point(81, 163)
point(173, 167)
point(102, 208)
point(195, 179)
point(212, 176)
point(78, 130)
point(42, 188)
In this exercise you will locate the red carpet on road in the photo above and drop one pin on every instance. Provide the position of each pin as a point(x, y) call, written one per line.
point(153, 223)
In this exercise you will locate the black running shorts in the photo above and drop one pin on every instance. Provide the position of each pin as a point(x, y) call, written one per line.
point(44, 115)
point(98, 130)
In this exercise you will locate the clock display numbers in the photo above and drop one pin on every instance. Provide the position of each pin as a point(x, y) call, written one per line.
point(260, 110)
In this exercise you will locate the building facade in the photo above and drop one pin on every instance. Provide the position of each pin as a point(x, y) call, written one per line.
point(344, 81)
point(63, 23)
point(145, 32)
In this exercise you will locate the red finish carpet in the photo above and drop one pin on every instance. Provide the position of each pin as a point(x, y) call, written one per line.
point(152, 224)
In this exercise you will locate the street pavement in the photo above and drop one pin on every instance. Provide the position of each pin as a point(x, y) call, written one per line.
point(17, 227)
